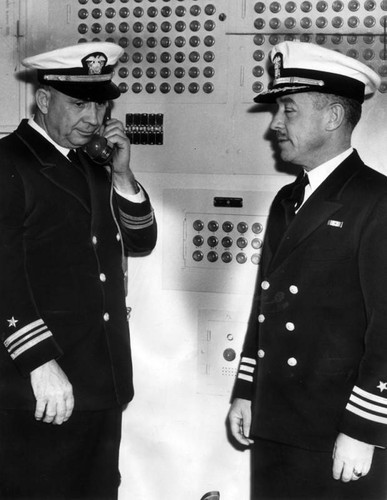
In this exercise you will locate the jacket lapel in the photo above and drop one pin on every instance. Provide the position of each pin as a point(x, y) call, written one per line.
point(324, 202)
point(54, 166)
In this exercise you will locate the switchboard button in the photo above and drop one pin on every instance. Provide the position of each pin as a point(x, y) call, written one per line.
point(180, 11)
point(179, 88)
point(259, 7)
point(208, 88)
point(180, 42)
point(255, 258)
point(227, 226)
point(124, 27)
point(227, 241)
point(96, 13)
point(165, 73)
point(195, 10)
point(152, 12)
point(241, 258)
point(213, 225)
point(353, 5)
point(198, 225)
point(124, 12)
point(229, 354)
point(208, 56)
point(180, 26)
point(166, 11)
point(291, 7)
point(193, 88)
point(137, 88)
point(259, 23)
point(212, 241)
point(257, 228)
point(197, 255)
point(110, 13)
point(198, 240)
point(322, 6)
point(275, 7)
point(242, 227)
point(337, 5)
point(256, 243)
point(370, 5)
point(194, 72)
point(124, 87)
point(226, 257)
point(306, 6)
point(96, 28)
point(242, 242)
point(212, 256)
point(83, 13)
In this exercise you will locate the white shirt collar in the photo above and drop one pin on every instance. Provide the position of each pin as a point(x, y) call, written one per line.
point(32, 123)
point(318, 175)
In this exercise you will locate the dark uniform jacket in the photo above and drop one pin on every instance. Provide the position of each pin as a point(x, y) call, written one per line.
point(314, 362)
point(63, 231)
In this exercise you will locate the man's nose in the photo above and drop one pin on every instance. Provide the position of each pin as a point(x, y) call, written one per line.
point(92, 115)
point(277, 121)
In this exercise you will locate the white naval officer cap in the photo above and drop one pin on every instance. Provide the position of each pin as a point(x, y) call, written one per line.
point(306, 67)
point(83, 71)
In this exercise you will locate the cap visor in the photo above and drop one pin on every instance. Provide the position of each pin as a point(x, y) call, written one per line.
point(270, 96)
point(97, 92)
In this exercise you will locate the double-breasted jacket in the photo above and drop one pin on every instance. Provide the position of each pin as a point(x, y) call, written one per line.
point(63, 234)
point(314, 361)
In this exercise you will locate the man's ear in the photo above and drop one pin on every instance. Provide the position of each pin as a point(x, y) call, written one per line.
point(336, 115)
point(42, 97)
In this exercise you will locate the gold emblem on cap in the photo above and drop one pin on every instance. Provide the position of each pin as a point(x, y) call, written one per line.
point(277, 66)
point(95, 62)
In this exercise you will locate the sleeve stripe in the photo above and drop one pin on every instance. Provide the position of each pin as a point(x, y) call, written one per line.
point(26, 337)
point(242, 376)
point(369, 395)
point(249, 369)
point(250, 361)
point(366, 415)
point(19, 333)
point(368, 406)
point(30, 344)
point(132, 222)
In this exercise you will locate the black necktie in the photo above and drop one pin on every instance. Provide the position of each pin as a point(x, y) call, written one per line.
point(284, 213)
point(73, 157)
point(294, 202)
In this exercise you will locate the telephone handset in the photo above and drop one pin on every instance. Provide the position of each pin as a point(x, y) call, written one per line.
point(99, 149)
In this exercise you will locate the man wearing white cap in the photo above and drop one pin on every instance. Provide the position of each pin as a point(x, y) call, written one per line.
point(311, 390)
point(66, 226)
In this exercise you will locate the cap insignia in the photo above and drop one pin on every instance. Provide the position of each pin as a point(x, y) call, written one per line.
point(94, 63)
point(277, 65)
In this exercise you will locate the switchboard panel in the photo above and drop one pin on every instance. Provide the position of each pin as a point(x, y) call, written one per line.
point(220, 340)
point(212, 248)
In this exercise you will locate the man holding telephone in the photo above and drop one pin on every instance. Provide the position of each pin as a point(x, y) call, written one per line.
point(66, 226)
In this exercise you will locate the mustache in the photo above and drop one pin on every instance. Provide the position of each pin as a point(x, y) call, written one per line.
point(281, 137)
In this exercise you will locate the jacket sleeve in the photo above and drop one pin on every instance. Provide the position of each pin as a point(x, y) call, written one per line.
point(24, 334)
point(138, 225)
point(244, 383)
point(365, 415)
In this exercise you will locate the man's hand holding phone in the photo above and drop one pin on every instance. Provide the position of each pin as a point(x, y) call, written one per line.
point(123, 177)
